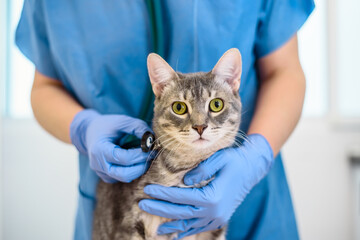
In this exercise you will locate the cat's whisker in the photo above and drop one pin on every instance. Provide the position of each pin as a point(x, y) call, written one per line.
point(150, 155)
point(244, 111)
point(157, 139)
point(235, 142)
point(168, 143)
point(161, 149)
point(165, 141)
point(229, 136)
point(158, 153)
point(239, 134)
point(177, 147)
point(174, 150)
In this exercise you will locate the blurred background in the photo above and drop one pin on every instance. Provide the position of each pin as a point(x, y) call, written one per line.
point(38, 184)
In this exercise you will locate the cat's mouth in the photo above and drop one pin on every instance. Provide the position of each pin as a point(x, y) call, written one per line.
point(200, 140)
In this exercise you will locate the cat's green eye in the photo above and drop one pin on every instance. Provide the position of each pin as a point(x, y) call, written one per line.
point(216, 105)
point(179, 108)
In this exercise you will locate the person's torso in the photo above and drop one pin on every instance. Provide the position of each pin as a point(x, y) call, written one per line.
point(100, 48)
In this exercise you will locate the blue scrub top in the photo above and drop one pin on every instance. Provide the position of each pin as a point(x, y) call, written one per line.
point(98, 50)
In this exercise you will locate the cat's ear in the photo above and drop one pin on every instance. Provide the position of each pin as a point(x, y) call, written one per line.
point(229, 68)
point(160, 73)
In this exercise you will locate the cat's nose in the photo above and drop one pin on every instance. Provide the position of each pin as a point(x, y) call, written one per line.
point(200, 128)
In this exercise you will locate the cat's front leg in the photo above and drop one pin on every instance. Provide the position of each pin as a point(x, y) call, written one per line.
point(151, 224)
point(218, 234)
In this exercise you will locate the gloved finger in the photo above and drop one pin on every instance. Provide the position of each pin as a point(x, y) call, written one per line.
point(133, 126)
point(176, 226)
point(206, 169)
point(126, 174)
point(210, 226)
point(169, 210)
point(181, 225)
point(191, 231)
point(191, 196)
point(125, 157)
point(106, 178)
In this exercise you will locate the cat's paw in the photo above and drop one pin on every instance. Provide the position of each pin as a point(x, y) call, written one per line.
point(203, 183)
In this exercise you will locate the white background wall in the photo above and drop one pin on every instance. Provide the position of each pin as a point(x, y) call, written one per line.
point(40, 177)
point(320, 178)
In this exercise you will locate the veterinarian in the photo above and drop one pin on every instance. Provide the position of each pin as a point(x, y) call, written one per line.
point(91, 88)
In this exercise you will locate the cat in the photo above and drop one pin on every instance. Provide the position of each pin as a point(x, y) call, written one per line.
point(195, 115)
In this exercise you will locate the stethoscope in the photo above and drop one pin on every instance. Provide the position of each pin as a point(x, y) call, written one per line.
point(157, 34)
point(147, 141)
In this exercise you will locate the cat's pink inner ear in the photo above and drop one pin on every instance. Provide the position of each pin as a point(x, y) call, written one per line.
point(229, 68)
point(160, 73)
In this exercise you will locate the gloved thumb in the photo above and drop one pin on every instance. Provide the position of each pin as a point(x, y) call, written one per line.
point(133, 126)
point(205, 170)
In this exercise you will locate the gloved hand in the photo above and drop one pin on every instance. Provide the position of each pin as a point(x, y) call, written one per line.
point(95, 135)
point(236, 170)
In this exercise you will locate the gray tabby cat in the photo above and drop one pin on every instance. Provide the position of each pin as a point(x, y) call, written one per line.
point(195, 115)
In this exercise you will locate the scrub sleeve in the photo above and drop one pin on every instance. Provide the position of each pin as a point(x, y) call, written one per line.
point(279, 21)
point(32, 38)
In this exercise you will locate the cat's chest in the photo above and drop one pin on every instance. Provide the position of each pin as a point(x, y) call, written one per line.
point(168, 171)
point(164, 178)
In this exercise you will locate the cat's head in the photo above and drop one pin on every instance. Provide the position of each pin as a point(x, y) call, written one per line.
point(199, 112)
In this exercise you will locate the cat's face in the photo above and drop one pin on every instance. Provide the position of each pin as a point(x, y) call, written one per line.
point(199, 111)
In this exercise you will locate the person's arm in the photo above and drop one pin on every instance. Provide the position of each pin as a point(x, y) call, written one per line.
point(281, 95)
point(92, 134)
point(53, 106)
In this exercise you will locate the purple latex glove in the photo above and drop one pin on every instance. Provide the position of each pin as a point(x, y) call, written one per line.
point(236, 171)
point(95, 135)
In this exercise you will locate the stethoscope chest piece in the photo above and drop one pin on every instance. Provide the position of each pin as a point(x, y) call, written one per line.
point(147, 141)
